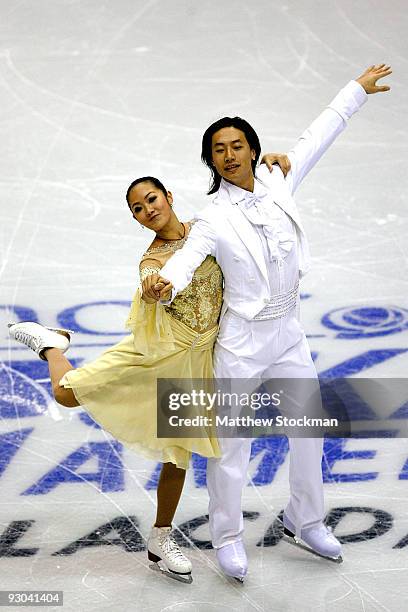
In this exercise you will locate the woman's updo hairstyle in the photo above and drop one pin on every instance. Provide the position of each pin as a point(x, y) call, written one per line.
point(146, 179)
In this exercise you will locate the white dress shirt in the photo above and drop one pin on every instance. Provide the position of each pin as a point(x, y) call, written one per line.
point(276, 232)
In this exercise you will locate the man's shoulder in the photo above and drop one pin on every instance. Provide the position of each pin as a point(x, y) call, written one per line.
point(264, 175)
point(207, 214)
point(275, 181)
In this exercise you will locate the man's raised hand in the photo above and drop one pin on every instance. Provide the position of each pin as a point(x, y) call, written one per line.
point(370, 77)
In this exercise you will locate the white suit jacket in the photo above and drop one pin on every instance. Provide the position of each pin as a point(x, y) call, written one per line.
point(222, 230)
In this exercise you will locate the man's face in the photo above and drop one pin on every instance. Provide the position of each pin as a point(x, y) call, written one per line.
point(232, 157)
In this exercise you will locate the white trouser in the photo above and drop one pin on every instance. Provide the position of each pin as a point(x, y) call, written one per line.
point(275, 348)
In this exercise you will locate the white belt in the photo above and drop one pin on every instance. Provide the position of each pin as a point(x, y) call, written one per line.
point(279, 305)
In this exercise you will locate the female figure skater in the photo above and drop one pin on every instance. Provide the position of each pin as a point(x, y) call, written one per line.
point(119, 388)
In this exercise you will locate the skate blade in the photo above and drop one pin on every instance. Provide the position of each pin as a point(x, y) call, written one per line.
point(234, 579)
point(61, 330)
point(186, 578)
point(298, 544)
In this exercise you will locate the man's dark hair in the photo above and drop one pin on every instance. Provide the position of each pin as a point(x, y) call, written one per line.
point(206, 149)
point(144, 179)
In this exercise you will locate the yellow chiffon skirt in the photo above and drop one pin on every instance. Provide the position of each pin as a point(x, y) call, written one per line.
point(119, 389)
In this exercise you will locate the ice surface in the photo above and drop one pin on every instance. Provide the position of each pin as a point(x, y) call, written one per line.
point(94, 94)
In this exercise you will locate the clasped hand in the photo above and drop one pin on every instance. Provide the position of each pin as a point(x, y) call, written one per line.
point(155, 288)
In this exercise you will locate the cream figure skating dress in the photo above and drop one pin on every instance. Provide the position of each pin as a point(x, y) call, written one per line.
point(119, 388)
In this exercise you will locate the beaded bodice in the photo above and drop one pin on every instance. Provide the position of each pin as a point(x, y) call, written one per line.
point(198, 306)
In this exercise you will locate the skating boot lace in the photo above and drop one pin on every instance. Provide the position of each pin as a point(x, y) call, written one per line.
point(330, 534)
point(170, 547)
point(28, 340)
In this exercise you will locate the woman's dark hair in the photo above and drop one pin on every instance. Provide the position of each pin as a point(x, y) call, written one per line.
point(206, 149)
point(144, 179)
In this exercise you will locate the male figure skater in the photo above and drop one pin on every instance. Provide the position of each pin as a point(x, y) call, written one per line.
point(254, 230)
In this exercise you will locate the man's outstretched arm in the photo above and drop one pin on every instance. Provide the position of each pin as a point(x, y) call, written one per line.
point(331, 122)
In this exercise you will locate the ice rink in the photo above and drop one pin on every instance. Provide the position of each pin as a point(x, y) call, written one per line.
point(95, 94)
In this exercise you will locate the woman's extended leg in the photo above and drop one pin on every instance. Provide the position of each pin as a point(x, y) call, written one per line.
point(169, 491)
point(50, 344)
point(59, 365)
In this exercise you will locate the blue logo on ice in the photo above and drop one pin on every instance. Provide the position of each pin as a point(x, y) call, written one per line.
point(25, 392)
point(366, 322)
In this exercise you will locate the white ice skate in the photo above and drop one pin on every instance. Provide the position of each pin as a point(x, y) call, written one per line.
point(233, 561)
point(319, 541)
point(39, 338)
point(167, 556)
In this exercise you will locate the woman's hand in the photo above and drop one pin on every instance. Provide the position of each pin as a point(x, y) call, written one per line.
point(164, 288)
point(149, 295)
point(272, 158)
point(370, 77)
point(155, 288)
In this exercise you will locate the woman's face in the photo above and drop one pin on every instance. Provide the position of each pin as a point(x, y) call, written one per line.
point(150, 206)
point(232, 155)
